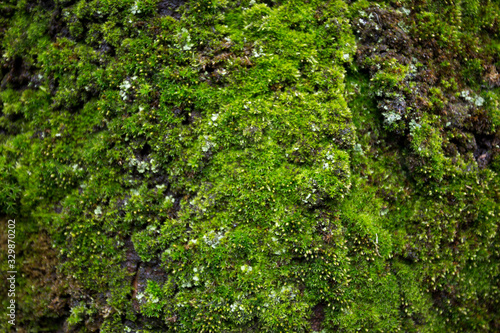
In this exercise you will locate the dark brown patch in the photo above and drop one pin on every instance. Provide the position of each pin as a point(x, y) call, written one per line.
point(318, 317)
point(169, 8)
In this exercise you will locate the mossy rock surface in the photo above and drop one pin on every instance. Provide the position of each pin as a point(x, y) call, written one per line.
point(252, 166)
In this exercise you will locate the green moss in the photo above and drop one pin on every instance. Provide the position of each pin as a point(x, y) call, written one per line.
point(286, 166)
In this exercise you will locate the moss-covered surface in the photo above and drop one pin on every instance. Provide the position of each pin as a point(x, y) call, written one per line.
point(252, 166)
